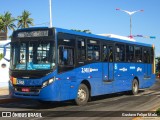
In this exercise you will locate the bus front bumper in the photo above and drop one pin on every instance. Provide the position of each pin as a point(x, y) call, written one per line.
point(48, 93)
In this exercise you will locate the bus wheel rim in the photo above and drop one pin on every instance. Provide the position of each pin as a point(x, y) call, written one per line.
point(82, 95)
point(135, 87)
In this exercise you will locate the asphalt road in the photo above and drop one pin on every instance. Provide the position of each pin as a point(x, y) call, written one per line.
point(100, 107)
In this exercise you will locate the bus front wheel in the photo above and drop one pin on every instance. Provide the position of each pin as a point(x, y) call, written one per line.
point(135, 87)
point(82, 95)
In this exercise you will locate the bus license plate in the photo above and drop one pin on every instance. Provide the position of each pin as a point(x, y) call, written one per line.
point(25, 90)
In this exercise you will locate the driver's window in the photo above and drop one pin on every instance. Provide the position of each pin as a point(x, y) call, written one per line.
point(66, 56)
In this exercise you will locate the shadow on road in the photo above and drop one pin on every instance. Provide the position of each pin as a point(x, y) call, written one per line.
point(33, 104)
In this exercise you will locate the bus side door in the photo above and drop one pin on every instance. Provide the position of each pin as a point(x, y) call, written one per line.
point(108, 67)
point(147, 63)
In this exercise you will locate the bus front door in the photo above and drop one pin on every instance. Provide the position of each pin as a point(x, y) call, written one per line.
point(108, 68)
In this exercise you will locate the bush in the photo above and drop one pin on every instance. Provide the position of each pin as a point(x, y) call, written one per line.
point(158, 111)
point(1, 56)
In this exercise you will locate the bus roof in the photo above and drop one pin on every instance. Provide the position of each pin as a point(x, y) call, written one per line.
point(101, 37)
point(87, 35)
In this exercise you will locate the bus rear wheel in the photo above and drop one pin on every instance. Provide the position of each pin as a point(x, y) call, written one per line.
point(135, 87)
point(82, 95)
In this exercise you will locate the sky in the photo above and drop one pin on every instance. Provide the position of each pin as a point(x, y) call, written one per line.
point(99, 16)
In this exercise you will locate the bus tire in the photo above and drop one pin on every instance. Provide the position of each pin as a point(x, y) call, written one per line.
point(135, 87)
point(82, 95)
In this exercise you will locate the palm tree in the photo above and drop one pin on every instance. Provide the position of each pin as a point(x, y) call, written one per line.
point(24, 21)
point(1, 23)
point(7, 22)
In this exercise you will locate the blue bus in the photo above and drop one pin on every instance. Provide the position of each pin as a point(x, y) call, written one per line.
point(54, 64)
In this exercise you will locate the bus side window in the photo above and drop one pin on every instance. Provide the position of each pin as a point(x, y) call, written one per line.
point(96, 52)
point(93, 52)
point(81, 50)
point(146, 56)
point(129, 53)
point(138, 54)
point(120, 53)
point(90, 52)
point(105, 52)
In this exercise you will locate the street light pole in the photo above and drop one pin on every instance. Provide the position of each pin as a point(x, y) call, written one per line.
point(130, 14)
point(50, 12)
point(130, 26)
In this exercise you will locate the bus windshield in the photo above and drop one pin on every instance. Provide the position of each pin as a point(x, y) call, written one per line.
point(32, 55)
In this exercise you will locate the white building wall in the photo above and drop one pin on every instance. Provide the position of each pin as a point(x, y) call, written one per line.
point(4, 72)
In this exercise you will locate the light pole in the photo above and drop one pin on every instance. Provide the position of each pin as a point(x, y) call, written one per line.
point(50, 12)
point(130, 14)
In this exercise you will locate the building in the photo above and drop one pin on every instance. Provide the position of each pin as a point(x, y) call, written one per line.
point(4, 65)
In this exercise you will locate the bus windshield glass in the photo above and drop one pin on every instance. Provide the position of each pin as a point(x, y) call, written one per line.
point(32, 55)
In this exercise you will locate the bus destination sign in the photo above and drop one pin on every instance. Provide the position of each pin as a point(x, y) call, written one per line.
point(33, 34)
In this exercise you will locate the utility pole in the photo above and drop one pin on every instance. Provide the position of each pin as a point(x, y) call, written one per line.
point(50, 12)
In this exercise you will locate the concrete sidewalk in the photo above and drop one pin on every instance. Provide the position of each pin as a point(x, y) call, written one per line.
point(4, 92)
point(4, 96)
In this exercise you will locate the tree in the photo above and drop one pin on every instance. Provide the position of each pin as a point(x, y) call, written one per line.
point(24, 21)
point(158, 111)
point(7, 22)
point(86, 31)
point(158, 64)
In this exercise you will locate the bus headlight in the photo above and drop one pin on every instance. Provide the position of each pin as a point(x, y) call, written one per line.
point(46, 83)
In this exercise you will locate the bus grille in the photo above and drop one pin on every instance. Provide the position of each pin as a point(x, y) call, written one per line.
point(33, 89)
point(24, 94)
